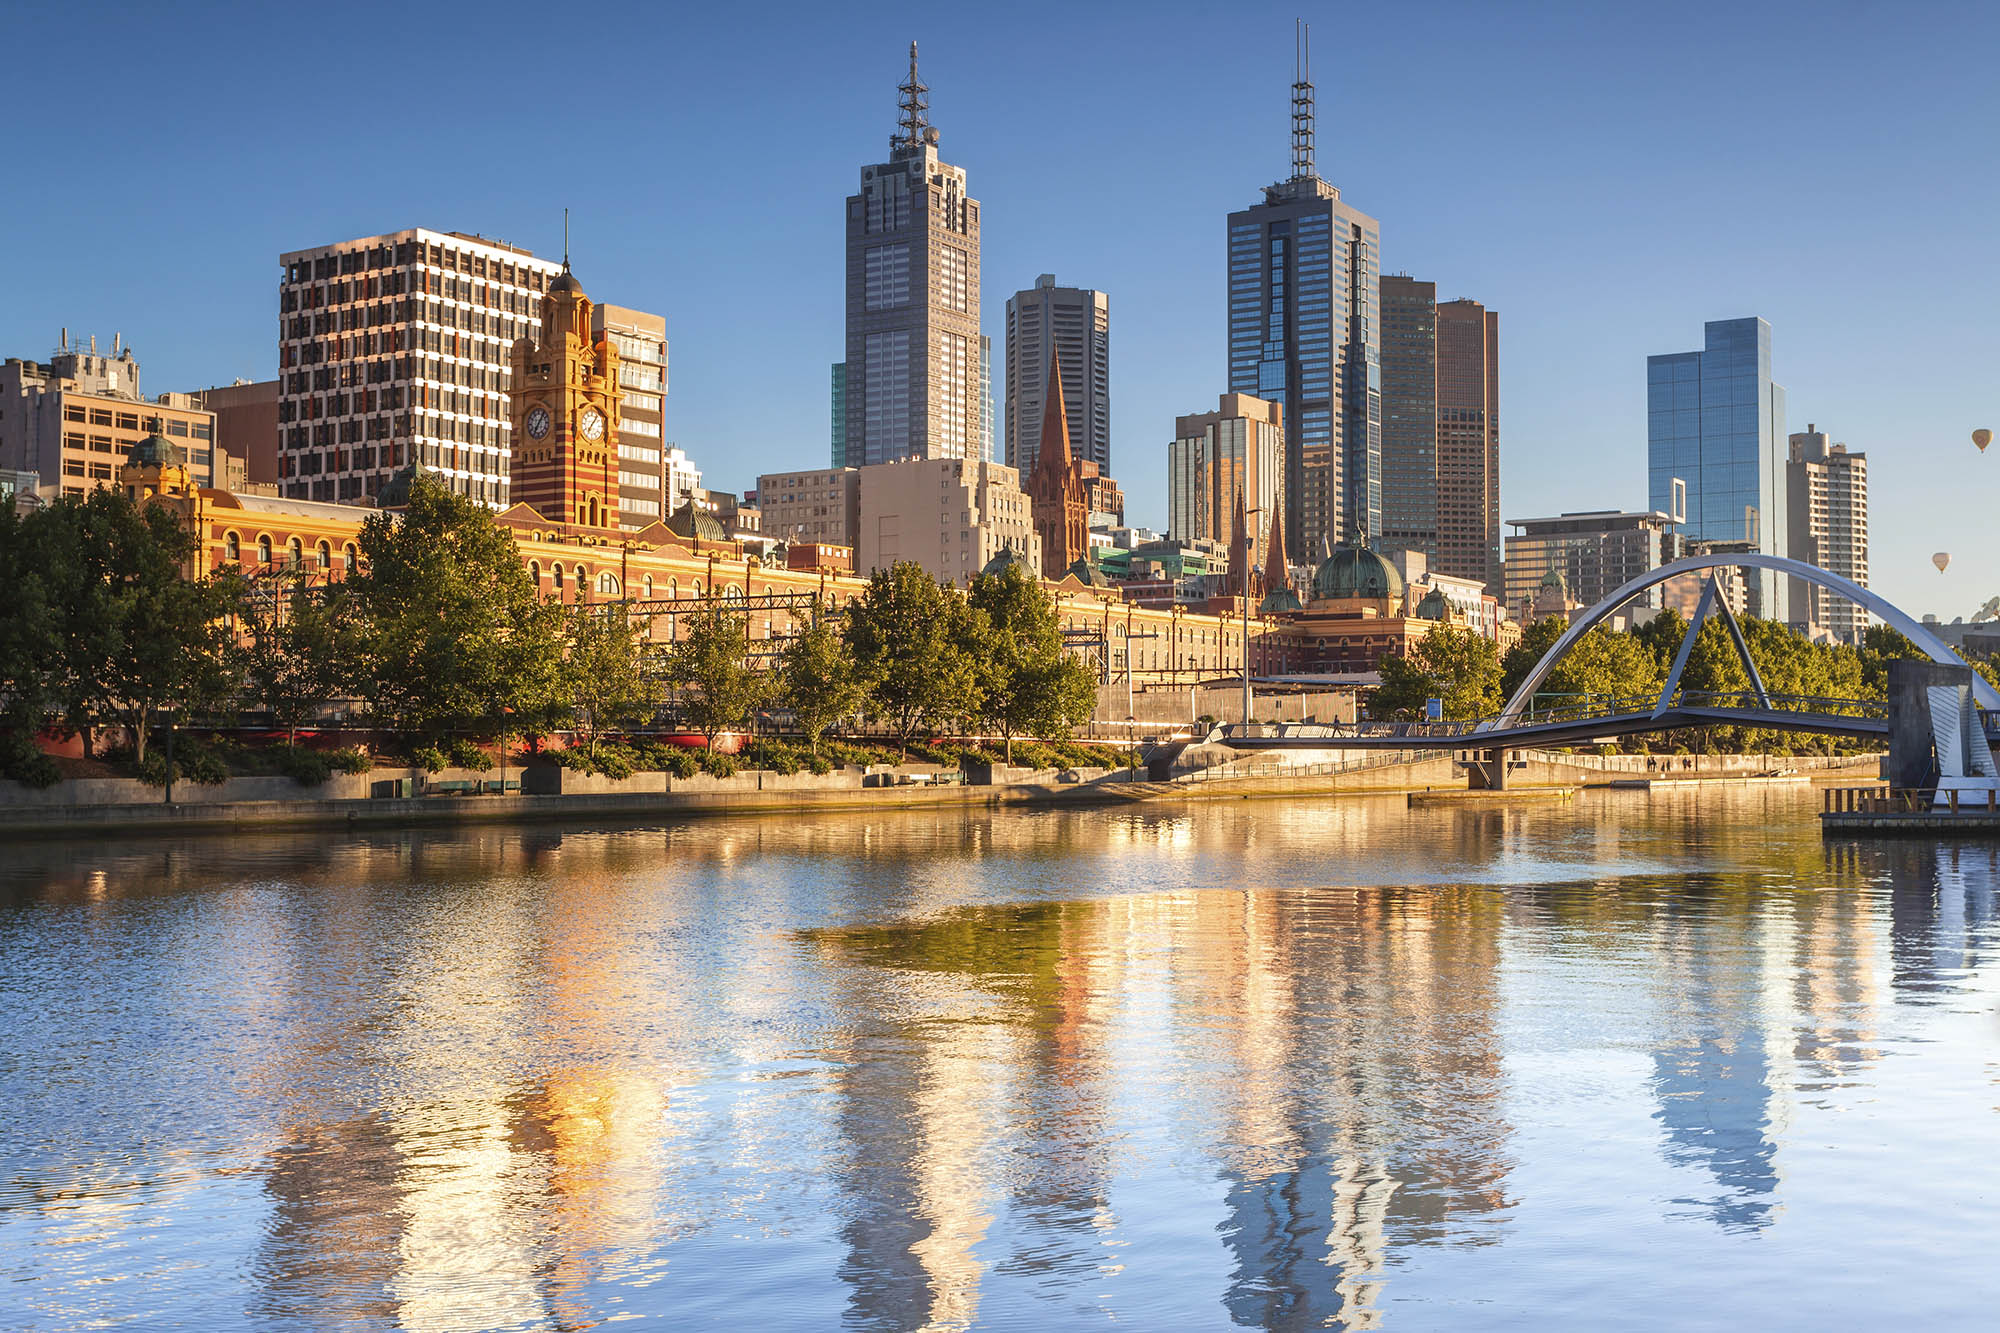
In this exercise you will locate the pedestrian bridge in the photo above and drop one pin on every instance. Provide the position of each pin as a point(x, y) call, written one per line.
point(1521, 725)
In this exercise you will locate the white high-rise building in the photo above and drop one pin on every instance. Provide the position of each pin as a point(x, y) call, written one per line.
point(1826, 491)
point(395, 348)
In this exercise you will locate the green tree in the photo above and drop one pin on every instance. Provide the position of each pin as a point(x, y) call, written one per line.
point(29, 634)
point(131, 635)
point(1534, 643)
point(452, 633)
point(819, 681)
point(1451, 663)
point(712, 662)
point(1603, 665)
point(1029, 685)
point(300, 650)
point(908, 635)
point(1881, 645)
point(604, 685)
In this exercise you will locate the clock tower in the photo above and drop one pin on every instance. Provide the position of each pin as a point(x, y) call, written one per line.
point(564, 402)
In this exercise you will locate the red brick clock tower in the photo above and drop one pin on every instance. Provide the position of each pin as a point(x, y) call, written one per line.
point(565, 413)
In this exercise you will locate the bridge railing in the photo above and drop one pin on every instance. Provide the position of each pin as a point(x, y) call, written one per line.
point(1263, 767)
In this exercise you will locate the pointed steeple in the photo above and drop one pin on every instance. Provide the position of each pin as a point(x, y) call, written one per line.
point(1276, 573)
point(1239, 551)
point(1055, 415)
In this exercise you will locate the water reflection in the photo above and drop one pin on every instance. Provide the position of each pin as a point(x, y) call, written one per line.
point(1278, 1066)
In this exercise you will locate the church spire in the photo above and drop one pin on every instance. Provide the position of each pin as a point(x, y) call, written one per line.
point(1055, 416)
point(1276, 573)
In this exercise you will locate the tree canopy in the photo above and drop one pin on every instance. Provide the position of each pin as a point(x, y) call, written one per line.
point(453, 633)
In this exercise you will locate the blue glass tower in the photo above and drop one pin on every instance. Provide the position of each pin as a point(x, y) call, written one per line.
point(1715, 420)
point(1303, 332)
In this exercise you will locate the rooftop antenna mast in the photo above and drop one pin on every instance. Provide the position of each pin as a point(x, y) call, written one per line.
point(565, 240)
point(916, 104)
point(1302, 105)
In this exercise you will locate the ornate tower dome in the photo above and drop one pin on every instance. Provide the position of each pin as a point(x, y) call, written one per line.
point(1356, 572)
point(1434, 606)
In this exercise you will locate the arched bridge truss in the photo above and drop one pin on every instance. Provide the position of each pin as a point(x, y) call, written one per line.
point(1521, 725)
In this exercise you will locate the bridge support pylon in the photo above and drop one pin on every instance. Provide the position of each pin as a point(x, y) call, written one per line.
point(1487, 770)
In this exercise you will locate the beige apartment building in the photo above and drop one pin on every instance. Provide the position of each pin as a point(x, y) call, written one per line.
point(1236, 451)
point(1827, 490)
point(950, 515)
point(71, 421)
point(645, 490)
point(822, 506)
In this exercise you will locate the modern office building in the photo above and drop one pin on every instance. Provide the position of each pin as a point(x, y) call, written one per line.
point(1304, 271)
point(1071, 327)
point(912, 377)
point(395, 349)
point(1409, 414)
point(1218, 459)
point(1716, 422)
point(645, 490)
point(1468, 443)
point(986, 413)
point(1441, 429)
point(822, 507)
point(1594, 553)
point(1827, 490)
point(839, 452)
point(950, 515)
point(71, 421)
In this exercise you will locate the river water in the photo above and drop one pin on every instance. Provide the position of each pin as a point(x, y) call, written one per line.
point(1632, 1062)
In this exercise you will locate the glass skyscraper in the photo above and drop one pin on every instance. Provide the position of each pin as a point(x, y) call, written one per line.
point(1303, 274)
point(1715, 420)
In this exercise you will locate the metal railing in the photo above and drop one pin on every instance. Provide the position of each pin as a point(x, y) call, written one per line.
point(1263, 767)
point(1591, 708)
point(1879, 800)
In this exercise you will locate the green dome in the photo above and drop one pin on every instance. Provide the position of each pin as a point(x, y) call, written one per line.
point(1434, 606)
point(1554, 579)
point(999, 563)
point(696, 524)
point(1086, 572)
point(1356, 571)
point(1278, 602)
point(156, 450)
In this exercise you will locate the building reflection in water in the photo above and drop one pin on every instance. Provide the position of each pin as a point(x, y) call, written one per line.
point(480, 1077)
point(1340, 1061)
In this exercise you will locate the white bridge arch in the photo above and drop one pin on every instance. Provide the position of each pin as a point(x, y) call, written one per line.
point(1934, 647)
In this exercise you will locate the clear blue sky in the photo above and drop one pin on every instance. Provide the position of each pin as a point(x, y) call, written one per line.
point(1606, 176)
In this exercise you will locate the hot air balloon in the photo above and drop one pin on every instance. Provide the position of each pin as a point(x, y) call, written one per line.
point(1982, 437)
point(1941, 559)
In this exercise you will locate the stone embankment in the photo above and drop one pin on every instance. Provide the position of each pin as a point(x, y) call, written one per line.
point(1198, 772)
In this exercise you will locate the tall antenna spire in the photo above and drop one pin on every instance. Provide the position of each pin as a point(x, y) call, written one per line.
point(1302, 105)
point(565, 240)
point(916, 104)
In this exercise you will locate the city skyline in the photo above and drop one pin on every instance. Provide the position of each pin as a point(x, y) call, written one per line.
point(1539, 215)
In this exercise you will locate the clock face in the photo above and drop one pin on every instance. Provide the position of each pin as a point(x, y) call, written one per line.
point(591, 423)
point(538, 422)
